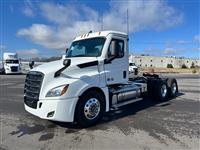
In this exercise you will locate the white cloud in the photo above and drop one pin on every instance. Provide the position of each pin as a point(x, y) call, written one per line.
point(60, 14)
point(72, 20)
point(28, 10)
point(3, 47)
point(29, 53)
point(197, 38)
point(43, 35)
point(143, 15)
point(181, 42)
point(170, 51)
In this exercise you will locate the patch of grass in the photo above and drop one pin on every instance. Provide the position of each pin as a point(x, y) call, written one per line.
point(194, 71)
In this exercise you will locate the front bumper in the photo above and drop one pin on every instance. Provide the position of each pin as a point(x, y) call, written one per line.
point(12, 72)
point(62, 110)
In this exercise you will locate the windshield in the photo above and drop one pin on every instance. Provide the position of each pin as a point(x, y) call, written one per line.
point(12, 61)
point(86, 48)
point(131, 64)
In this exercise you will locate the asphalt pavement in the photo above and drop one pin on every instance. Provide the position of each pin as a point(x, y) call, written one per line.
point(145, 124)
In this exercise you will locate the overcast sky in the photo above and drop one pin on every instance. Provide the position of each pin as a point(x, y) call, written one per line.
point(35, 28)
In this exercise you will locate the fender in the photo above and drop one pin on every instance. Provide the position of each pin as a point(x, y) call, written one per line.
point(104, 90)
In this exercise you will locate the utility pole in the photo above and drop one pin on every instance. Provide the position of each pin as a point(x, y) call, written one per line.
point(102, 23)
point(1, 48)
point(127, 21)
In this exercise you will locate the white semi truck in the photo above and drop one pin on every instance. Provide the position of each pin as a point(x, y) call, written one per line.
point(133, 69)
point(91, 80)
point(11, 64)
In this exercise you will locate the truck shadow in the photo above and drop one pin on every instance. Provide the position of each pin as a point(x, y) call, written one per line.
point(122, 112)
point(134, 108)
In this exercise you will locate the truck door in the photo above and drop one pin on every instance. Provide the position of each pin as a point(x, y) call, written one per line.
point(116, 70)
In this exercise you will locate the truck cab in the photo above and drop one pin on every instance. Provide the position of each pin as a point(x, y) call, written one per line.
point(11, 64)
point(133, 69)
point(91, 79)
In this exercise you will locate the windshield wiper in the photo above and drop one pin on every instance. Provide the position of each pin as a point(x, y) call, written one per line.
point(79, 56)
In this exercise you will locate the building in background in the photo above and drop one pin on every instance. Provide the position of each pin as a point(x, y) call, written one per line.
point(162, 62)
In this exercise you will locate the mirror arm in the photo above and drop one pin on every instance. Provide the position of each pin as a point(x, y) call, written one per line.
point(66, 50)
point(67, 64)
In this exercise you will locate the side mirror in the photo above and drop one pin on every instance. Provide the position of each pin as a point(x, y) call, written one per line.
point(113, 51)
point(31, 64)
point(66, 62)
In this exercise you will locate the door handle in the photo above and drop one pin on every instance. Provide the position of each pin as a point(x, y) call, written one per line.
point(124, 74)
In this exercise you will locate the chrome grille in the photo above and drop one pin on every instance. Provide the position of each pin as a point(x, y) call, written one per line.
point(32, 88)
point(14, 68)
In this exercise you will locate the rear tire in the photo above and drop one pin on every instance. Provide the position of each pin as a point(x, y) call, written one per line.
point(172, 87)
point(90, 108)
point(161, 90)
point(136, 71)
point(151, 87)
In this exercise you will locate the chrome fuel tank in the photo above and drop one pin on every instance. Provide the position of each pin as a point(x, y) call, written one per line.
point(127, 92)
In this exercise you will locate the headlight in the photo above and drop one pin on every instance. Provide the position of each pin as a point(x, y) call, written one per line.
point(57, 91)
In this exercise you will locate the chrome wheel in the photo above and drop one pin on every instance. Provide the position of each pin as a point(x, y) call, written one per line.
point(92, 108)
point(174, 88)
point(164, 90)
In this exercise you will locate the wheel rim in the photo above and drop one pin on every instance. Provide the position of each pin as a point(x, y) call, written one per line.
point(164, 90)
point(92, 108)
point(173, 88)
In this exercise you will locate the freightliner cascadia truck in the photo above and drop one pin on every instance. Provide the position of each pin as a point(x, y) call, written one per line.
point(11, 64)
point(92, 79)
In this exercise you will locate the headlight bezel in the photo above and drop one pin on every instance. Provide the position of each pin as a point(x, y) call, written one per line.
point(57, 91)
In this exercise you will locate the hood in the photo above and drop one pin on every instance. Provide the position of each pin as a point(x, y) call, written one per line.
point(52, 67)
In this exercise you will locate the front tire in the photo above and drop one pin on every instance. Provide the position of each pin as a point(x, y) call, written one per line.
point(90, 108)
